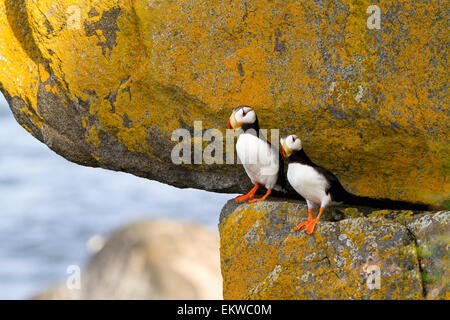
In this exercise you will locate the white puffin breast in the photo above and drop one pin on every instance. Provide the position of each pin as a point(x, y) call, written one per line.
point(310, 184)
point(260, 160)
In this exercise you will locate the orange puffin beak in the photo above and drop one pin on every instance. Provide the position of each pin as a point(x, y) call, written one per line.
point(283, 152)
point(233, 124)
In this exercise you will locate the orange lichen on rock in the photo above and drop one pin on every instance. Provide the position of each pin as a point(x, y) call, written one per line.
point(369, 104)
point(373, 256)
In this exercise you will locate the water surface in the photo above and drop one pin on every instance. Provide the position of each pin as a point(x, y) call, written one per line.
point(50, 207)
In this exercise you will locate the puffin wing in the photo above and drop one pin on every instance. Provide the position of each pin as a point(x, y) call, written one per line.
point(335, 188)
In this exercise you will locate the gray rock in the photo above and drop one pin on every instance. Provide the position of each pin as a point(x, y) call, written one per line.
point(151, 260)
point(354, 253)
point(432, 237)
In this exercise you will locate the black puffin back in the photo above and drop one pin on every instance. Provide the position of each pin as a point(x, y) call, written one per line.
point(339, 194)
point(281, 180)
point(250, 127)
point(335, 188)
point(299, 156)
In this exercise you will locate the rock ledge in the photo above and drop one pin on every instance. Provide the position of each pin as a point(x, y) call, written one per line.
point(354, 253)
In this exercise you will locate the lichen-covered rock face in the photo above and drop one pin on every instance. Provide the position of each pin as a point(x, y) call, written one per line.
point(106, 83)
point(352, 254)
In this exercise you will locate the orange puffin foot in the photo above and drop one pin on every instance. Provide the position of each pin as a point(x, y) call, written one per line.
point(250, 194)
point(303, 224)
point(241, 198)
point(263, 198)
point(310, 225)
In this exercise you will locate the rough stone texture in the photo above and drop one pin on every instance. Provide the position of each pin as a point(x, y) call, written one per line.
point(432, 234)
point(151, 260)
point(263, 258)
point(109, 88)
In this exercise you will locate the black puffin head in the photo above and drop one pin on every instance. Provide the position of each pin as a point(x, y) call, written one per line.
point(243, 117)
point(290, 144)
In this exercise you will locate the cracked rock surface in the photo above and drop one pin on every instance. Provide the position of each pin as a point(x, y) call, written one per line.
point(106, 83)
point(354, 253)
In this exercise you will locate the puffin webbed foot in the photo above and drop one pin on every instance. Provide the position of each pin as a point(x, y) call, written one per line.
point(310, 223)
point(250, 194)
point(301, 225)
point(304, 223)
point(261, 199)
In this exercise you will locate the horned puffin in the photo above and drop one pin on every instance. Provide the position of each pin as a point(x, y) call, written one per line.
point(262, 162)
point(321, 188)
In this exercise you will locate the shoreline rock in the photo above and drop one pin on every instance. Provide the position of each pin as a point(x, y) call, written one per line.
point(354, 253)
point(149, 260)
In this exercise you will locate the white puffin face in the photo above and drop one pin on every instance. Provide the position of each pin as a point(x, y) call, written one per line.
point(240, 116)
point(294, 142)
point(289, 144)
point(245, 115)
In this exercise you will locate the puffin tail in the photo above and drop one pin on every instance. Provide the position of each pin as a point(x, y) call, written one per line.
point(382, 203)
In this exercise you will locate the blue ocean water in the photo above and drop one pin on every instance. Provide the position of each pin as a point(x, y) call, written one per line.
point(50, 207)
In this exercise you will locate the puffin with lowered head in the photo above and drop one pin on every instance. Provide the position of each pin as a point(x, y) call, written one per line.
point(262, 162)
point(321, 188)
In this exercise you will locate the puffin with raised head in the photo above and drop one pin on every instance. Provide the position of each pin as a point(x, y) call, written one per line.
point(321, 188)
point(262, 162)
